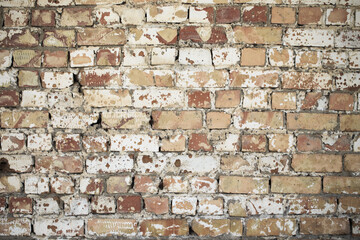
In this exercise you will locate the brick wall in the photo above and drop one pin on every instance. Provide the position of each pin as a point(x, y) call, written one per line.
point(180, 118)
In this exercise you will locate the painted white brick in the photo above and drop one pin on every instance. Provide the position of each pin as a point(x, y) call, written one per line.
point(309, 37)
point(34, 98)
point(135, 57)
point(195, 56)
point(39, 142)
point(157, 98)
point(134, 142)
point(46, 206)
point(354, 59)
point(75, 120)
point(57, 79)
point(109, 164)
point(163, 56)
point(82, 58)
point(225, 57)
point(198, 15)
point(172, 14)
point(36, 185)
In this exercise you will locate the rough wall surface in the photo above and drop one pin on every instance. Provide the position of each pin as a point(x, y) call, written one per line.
point(192, 118)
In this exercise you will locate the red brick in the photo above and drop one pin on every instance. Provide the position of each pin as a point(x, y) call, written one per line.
point(157, 205)
point(129, 204)
point(227, 98)
point(253, 143)
point(2, 205)
point(227, 15)
point(68, 142)
point(337, 142)
point(199, 99)
point(93, 186)
point(311, 100)
point(9, 98)
point(146, 184)
point(20, 38)
point(341, 101)
point(324, 226)
point(76, 17)
point(16, 17)
point(310, 15)
point(255, 14)
point(64, 164)
point(283, 15)
point(190, 33)
point(108, 57)
point(307, 143)
point(199, 141)
point(55, 59)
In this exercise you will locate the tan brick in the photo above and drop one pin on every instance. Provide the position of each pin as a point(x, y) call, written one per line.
point(324, 225)
point(177, 120)
point(218, 120)
point(316, 163)
point(253, 57)
point(101, 36)
point(311, 121)
point(352, 162)
point(164, 227)
point(281, 142)
point(27, 119)
point(235, 184)
point(349, 205)
point(312, 205)
point(285, 184)
point(227, 98)
point(283, 15)
point(211, 227)
point(349, 122)
point(257, 35)
point(338, 184)
point(258, 120)
point(76, 17)
point(271, 227)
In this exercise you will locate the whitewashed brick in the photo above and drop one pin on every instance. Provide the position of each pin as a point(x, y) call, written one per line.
point(39, 142)
point(46, 206)
point(281, 57)
point(63, 100)
point(34, 98)
point(109, 164)
point(135, 57)
point(346, 22)
point(57, 79)
point(193, 164)
point(36, 185)
point(203, 185)
point(107, 98)
point(13, 142)
point(91, 186)
point(265, 205)
point(201, 78)
point(130, 15)
point(229, 144)
point(172, 14)
point(184, 205)
point(18, 163)
point(199, 15)
point(307, 59)
point(152, 36)
point(151, 163)
point(75, 120)
point(103, 204)
point(106, 16)
point(51, 227)
point(76, 205)
point(157, 98)
point(354, 59)
point(82, 58)
point(7, 78)
point(309, 37)
point(124, 120)
point(255, 99)
point(195, 56)
point(5, 59)
point(347, 81)
point(210, 206)
point(357, 18)
point(225, 57)
point(348, 39)
point(134, 142)
point(335, 59)
point(163, 56)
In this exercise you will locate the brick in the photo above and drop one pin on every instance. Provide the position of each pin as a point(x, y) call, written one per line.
point(124, 120)
point(13, 142)
point(348, 81)
point(199, 99)
point(76, 17)
point(254, 14)
point(118, 184)
point(211, 206)
point(253, 57)
point(9, 98)
point(308, 59)
point(349, 122)
point(107, 98)
point(336, 60)
point(164, 227)
point(93, 186)
point(76, 206)
point(306, 80)
point(258, 120)
point(146, 184)
point(8, 79)
point(190, 164)
point(195, 56)
point(64, 164)
point(173, 144)
point(43, 18)
point(237, 208)
point(283, 15)
point(67, 142)
point(10, 184)
point(253, 143)
point(203, 79)
point(281, 57)
point(59, 38)
point(129, 204)
point(47, 3)
point(324, 225)
point(107, 227)
point(227, 98)
point(102, 205)
point(109, 164)
point(218, 120)
point(130, 15)
point(349, 205)
point(172, 14)
point(210, 227)
point(336, 142)
point(314, 100)
point(184, 205)
point(158, 98)
point(26, 58)
point(354, 59)
point(201, 14)
point(159, 78)
point(20, 205)
point(265, 205)
point(100, 77)
point(28, 79)
point(150, 163)
point(108, 57)
point(152, 36)
point(254, 78)
point(34, 98)
point(175, 184)
point(341, 185)
point(311, 121)
point(307, 143)
point(310, 15)
point(312, 205)
point(352, 163)
point(106, 16)
point(5, 59)
point(59, 227)
point(55, 59)
point(227, 15)
point(257, 35)
point(96, 2)
point(101, 36)
point(82, 58)
point(255, 99)
point(62, 185)
point(19, 38)
point(283, 100)
point(285, 184)
point(316, 163)
point(204, 185)
point(309, 37)
point(157, 205)
point(134, 142)
point(177, 120)
point(271, 227)
point(163, 56)
point(209, 35)
point(15, 227)
point(338, 16)
point(57, 79)
point(225, 57)
point(24, 119)
point(39, 142)
point(229, 143)
point(281, 142)
point(199, 142)
point(46, 206)
point(273, 164)
point(135, 57)
point(347, 39)
point(16, 18)
point(247, 185)
point(36, 185)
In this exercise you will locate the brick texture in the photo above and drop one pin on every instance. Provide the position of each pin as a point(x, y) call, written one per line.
point(189, 119)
